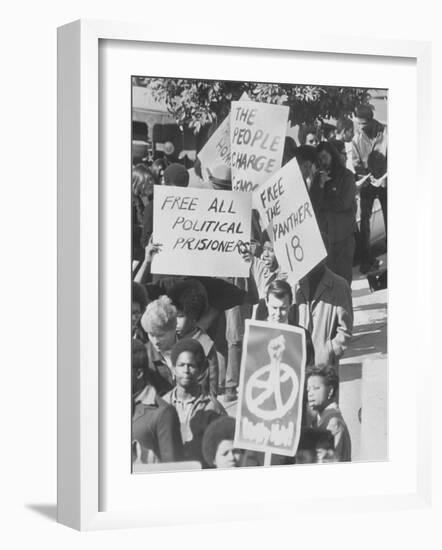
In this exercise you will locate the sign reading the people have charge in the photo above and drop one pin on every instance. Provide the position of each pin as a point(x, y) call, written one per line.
point(268, 416)
point(257, 134)
point(201, 231)
point(286, 212)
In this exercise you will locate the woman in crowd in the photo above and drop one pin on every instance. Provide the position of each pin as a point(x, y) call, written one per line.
point(335, 196)
point(142, 192)
point(322, 384)
point(218, 448)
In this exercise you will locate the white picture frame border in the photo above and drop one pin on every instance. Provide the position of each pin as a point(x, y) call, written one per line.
point(79, 257)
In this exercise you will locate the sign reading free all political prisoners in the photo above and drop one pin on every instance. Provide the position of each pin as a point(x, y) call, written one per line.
point(268, 416)
point(257, 134)
point(201, 231)
point(286, 211)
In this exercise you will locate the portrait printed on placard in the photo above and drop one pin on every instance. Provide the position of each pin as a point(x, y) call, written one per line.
point(259, 274)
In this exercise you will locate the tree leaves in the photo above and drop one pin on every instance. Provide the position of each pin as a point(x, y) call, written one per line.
point(198, 103)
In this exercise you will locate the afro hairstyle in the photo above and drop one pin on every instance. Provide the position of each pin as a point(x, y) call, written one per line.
point(221, 429)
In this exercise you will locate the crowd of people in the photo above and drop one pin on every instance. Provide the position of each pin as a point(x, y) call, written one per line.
point(187, 332)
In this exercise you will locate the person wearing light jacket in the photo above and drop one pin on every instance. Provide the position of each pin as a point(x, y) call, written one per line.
point(325, 310)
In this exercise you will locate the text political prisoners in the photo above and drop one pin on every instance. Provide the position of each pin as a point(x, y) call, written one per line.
point(184, 223)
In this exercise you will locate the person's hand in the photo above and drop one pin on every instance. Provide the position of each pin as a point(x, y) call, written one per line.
point(378, 139)
point(323, 178)
point(152, 249)
point(246, 252)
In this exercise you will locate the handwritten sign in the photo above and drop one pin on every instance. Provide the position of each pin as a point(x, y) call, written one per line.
point(217, 149)
point(201, 231)
point(257, 134)
point(268, 416)
point(286, 212)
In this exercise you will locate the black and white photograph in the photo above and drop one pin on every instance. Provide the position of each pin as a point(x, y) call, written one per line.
point(259, 274)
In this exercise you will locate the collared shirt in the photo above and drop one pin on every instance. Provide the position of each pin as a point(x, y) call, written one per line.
point(191, 412)
point(362, 145)
point(147, 396)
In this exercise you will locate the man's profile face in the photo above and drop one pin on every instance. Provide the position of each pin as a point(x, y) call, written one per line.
point(278, 308)
point(162, 340)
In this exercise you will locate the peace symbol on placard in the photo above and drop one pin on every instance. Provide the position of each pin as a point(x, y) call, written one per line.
point(270, 379)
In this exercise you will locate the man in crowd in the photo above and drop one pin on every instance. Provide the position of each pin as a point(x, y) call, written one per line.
point(369, 153)
point(195, 408)
point(156, 433)
point(325, 310)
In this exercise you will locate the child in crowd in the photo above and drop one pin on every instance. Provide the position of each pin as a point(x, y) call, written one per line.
point(195, 408)
point(190, 299)
point(322, 386)
point(218, 449)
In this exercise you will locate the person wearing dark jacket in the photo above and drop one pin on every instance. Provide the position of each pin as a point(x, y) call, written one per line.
point(333, 196)
point(156, 435)
point(369, 156)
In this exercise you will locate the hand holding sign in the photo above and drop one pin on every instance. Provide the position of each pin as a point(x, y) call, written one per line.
point(151, 249)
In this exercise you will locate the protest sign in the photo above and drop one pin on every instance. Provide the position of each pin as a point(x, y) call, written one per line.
point(286, 211)
point(217, 149)
point(268, 416)
point(257, 135)
point(201, 231)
